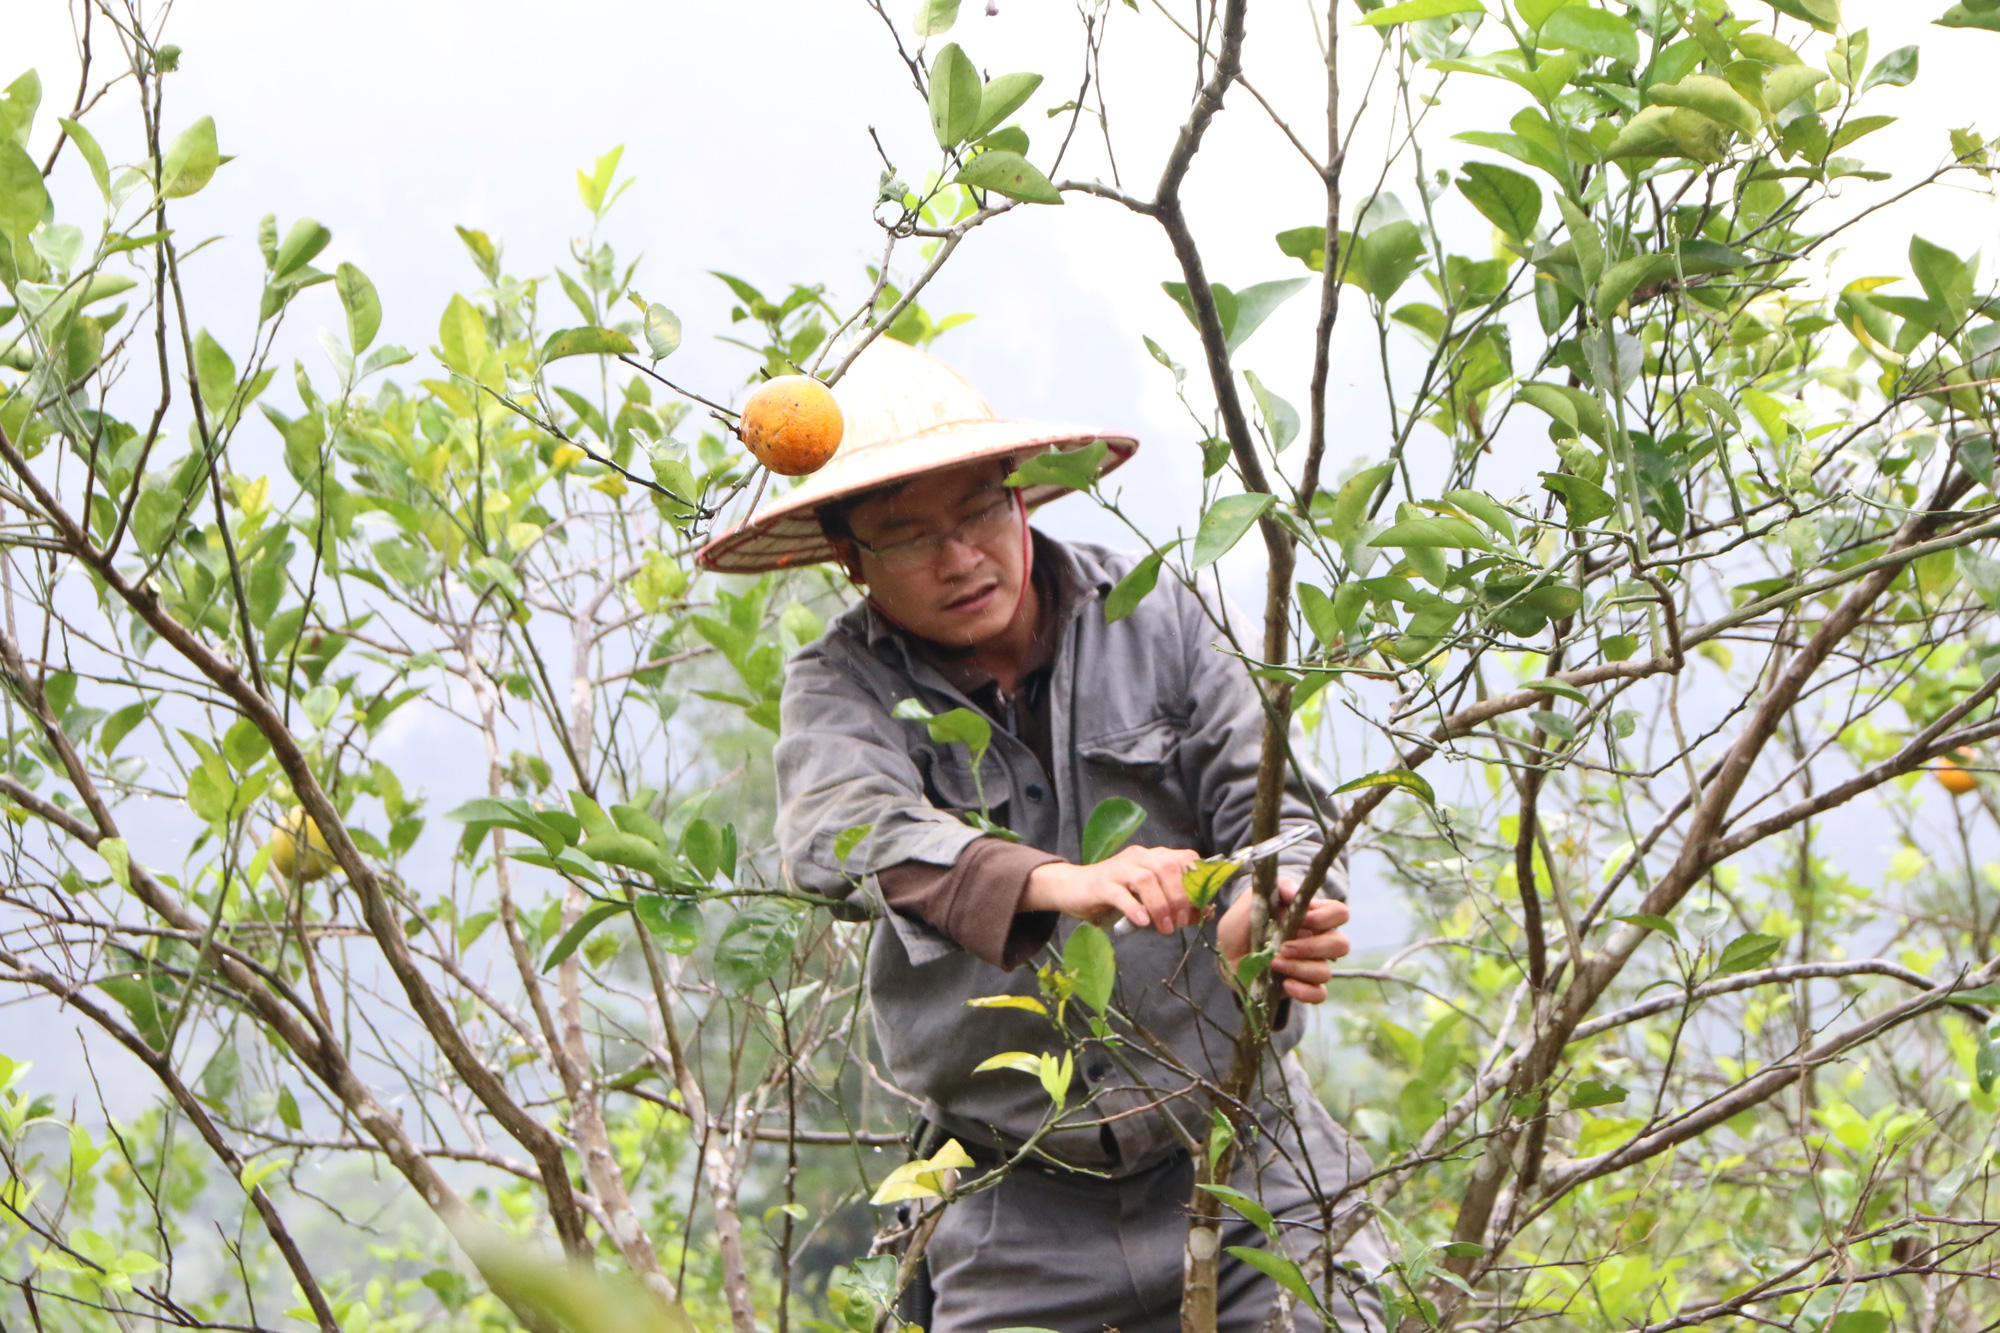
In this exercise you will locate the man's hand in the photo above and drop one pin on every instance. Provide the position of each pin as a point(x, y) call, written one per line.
point(1305, 961)
point(1143, 884)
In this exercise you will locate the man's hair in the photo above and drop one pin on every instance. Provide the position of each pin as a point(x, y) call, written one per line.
point(834, 515)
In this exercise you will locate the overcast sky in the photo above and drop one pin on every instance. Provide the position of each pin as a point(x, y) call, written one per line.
point(747, 130)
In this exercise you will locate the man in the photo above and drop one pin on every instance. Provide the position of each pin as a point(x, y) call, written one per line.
point(967, 607)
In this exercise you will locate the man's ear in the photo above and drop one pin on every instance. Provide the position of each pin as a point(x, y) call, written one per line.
point(849, 556)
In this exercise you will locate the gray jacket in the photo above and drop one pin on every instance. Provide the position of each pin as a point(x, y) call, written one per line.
point(1146, 709)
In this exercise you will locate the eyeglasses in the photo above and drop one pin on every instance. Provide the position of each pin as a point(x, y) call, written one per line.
point(988, 523)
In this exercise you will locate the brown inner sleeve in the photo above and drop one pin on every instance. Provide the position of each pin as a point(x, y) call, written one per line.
point(976, 900)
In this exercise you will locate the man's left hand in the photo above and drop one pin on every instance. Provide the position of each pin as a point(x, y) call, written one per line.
point(1305, 961)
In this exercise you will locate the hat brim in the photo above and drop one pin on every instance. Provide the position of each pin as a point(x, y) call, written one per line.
point(785, 532)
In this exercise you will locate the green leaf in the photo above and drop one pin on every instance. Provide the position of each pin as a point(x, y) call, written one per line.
point(1111, 826)
point(1281, 419)
point(117, 856)
point(1747, 952)
point(955, 96)
point(1352, 503)
point(1438, 531)
point(1412, 11)
point(1584, 502)
point(1395, 777)
point(935, 16)
point(1484, 508)
point(1074, 469)
point(1591, 1093)
point(215, 374)
point(1221, 1134)
point(1869, 1321)
point(363, 307)
point(575, 935)
point(1253, 1212)
point(1385, 258)
point(1711, 96)
point(663, 331)
point(1788, 83)
point(1594, 31)
point(1133, 588)
point(1555, 724)
point(190, 160)
point(754, 946)
point(1254, 305)
point(961, 726)
point(702, 845)
point(585, 342)
point(244, 745)
point(1010, 174)
point(1588, 242)
point(305, 239)
point(1713, 401)
point(1965, 16)
point(462, 337)
point(1946, 278)
point(120, 724)
point(86, 143)
point(676, 921)
point(1252, 966)
point(288, 1110)
point(1092, 964)
point(1649, 922)
point(1506, 198)
point(1280, 1268)
point(23, 197)
point(848, 839)
point(1305, 244)
point(1821, 14)
point(629, 851)
point(1224, 525)
point(1223, 299)
point(1556, 687)
point(1320, 614)
point(1002, 98)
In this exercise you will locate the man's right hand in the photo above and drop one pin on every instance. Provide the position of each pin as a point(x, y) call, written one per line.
point(1142, 884)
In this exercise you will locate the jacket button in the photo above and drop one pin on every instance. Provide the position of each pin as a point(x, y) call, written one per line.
point(1034, 791)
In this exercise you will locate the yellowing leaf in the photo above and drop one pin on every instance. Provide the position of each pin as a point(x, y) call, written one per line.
point(1019, 1061)
point(1204, 879)
point(1027, 1002)
point(923, 1179)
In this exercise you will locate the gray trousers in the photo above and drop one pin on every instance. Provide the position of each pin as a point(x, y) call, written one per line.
point(1077, 1253)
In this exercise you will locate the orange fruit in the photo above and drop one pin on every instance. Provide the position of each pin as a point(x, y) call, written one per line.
point(312, 861)
point(1955, 779)
point(792, 424)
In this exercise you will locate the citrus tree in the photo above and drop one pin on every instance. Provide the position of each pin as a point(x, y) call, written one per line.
point(571, 999)
point(1654, 1057)
point(1674, 550)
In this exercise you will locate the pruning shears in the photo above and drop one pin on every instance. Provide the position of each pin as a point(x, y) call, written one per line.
point(1205, 878)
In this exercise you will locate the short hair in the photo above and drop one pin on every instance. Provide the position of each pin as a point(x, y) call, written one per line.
point(834, 516)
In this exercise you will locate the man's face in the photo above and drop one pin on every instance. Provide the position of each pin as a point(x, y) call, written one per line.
point(943, 556)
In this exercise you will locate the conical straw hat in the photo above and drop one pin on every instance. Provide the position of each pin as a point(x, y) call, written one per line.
point(905, 413)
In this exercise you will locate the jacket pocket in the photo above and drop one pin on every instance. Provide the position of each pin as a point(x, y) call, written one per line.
point(952, 786)
point(1141, 752)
